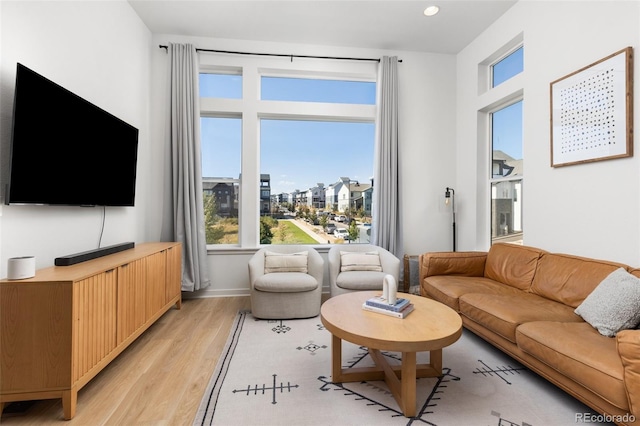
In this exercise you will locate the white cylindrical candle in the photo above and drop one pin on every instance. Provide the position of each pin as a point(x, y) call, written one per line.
point(19, 268)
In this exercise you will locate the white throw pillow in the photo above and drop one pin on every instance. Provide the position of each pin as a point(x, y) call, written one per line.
point(285, 262)
point(614, 304)
point(360, 261)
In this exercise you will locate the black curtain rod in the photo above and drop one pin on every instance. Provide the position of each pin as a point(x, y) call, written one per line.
point(231, 52)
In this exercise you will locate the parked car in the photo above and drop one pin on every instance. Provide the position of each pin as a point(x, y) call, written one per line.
point(330, 228)
point(341, 233)
point(341, 218)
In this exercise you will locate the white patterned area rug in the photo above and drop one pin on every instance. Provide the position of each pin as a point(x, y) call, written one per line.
point(279, 373)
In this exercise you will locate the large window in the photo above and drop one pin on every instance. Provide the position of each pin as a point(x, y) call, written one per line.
point(319, 169)
point(286, 160)
point(506, 173)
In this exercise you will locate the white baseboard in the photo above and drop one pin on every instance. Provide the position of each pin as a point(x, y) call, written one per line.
point(212, 292)
point(229, 292)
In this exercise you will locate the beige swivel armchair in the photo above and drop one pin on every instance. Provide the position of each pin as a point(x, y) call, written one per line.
point(286, 282)
point(348, 278)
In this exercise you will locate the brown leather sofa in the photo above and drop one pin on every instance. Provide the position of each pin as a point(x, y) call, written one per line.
point(522, 300)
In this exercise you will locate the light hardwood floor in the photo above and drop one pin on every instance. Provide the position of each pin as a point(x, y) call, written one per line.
point(159, 379)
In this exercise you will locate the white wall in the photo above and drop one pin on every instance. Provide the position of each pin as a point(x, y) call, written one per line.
point(100, 51)
point(427, 139)
point(427, 129)
point(3, 123)
point(590, 209)
point(103, 52)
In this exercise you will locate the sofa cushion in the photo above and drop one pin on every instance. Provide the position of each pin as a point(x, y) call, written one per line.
point(360, 261)
point(614, 305)
point(447, 289)
point(360, 280)
point(285, 262)
point(570, 279)
point(466, 263)
point(512, 264)
point(579, 352)
point(503, 313)
point(285, 282)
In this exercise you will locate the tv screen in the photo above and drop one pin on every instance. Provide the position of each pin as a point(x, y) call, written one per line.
point(66, 150)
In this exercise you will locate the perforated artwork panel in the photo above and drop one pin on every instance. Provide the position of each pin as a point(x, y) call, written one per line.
point(589, 112)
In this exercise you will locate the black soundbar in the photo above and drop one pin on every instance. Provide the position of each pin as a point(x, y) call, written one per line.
point(72, 259)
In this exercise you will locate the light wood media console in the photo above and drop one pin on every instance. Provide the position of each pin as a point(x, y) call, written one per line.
point(60, 328)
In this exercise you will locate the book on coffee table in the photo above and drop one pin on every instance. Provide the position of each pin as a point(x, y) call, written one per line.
point(399, 314)
point(382, 303)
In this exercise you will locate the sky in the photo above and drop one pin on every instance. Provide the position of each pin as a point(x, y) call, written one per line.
point(507, 122)
point(296, 154)
point(322, 153)
point(507, 130)
point(300, 154)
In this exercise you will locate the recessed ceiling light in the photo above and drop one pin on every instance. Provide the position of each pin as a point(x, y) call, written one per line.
point(431, 10)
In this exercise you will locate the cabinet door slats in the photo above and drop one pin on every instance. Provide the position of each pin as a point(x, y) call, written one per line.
point(174, 273)
point(132, 293)
point(156, 279)
point(95, 321)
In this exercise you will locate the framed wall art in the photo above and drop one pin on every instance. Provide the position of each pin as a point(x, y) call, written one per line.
point(592, 112)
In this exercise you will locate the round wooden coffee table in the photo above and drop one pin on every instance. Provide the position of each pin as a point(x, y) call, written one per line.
point(430, 327)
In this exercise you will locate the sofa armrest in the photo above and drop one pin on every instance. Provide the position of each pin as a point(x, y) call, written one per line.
point(256, 267)
point(628, 343)
point(390, 264)
point(465, 263)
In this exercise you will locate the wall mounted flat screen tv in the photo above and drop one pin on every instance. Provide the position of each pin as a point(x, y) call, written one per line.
point(66, 150)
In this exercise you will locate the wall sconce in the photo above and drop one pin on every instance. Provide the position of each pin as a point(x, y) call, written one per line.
point(450, 198)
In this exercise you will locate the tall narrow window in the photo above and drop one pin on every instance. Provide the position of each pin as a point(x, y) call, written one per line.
point(221, 146)
point(506, 173)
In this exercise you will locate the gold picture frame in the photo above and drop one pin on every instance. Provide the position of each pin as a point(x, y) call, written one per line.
point(592, 112)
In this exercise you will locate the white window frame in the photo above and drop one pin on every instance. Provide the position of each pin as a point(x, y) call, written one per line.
point(492, 99)
point(485, 68)
point(491, 179)
point(252, 109)
point(499, 59)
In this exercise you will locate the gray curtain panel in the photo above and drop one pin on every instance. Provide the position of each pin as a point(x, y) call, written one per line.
point(386, 226)
point(186, 165)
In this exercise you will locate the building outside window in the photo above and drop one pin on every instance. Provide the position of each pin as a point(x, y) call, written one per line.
point(265, 195)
